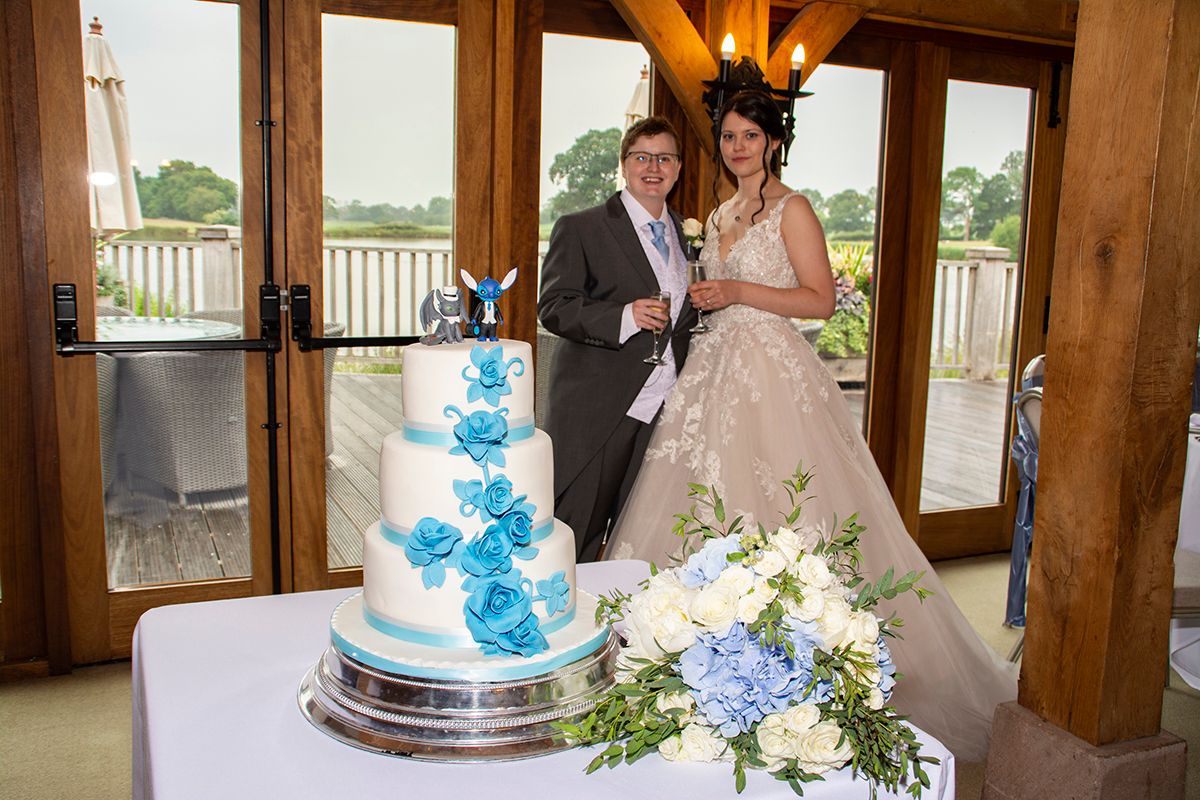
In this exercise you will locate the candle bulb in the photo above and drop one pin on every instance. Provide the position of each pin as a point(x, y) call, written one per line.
point(797, 66)
point(727, 47)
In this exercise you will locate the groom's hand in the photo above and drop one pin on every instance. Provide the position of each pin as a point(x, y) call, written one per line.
point(650, 314)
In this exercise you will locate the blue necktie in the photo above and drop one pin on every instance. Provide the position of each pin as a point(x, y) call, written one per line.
point(657, 228)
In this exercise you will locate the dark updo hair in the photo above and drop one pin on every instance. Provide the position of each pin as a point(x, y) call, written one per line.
point(761, 109)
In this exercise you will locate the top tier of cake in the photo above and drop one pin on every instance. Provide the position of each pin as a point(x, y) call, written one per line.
point(504, 376)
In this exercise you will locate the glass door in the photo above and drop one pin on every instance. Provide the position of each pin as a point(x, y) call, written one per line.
point(168, 497)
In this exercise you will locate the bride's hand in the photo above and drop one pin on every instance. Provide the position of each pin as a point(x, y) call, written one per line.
point(713, 295)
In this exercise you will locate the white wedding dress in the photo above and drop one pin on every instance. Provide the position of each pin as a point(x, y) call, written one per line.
point(752, 401)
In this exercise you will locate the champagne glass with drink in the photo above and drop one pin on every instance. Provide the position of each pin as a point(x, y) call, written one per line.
point(697, 273)
point(655, 357)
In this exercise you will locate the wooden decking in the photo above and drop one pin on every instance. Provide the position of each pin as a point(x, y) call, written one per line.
point(154, 539)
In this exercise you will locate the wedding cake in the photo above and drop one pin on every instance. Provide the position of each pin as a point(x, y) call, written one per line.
point(467, 575)
point(470, 638)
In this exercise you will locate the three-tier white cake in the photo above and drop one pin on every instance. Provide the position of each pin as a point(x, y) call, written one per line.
point(467, 576)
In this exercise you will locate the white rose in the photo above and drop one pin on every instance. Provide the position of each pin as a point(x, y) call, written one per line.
point(800, 718)
point(692, 228)
point(715, 608)
point(682, 700)
point(699, 743)
point(834, 620)
point(775, 740)
point(752, 603)
point(811, 605)
point(818, 749)
point(863, 631)
point(875, 700)
point(813, 571)
point(669, 748)
point(787, 542)
point(658, 620)
point(736, 577)
point(768, 562)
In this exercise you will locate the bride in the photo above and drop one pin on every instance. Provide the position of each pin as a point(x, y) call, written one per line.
point(754, 399)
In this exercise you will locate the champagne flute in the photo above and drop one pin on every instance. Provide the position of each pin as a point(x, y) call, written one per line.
point(655, 357)
point(697, 273)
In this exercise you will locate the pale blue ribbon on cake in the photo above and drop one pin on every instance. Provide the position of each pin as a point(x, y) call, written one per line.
point(418, 636)
point(398, 534)
point(421, 433)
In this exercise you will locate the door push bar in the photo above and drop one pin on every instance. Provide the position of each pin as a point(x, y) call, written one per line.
point(66, 329)
point(301, 313)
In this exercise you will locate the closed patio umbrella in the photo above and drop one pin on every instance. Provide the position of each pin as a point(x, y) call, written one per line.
point(113, 195)
point(637, 110)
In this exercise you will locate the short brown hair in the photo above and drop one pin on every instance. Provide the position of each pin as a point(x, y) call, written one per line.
point(650, 126)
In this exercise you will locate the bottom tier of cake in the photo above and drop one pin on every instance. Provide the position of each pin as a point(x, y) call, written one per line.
point(392, 697)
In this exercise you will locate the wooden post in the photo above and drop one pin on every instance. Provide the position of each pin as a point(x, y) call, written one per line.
point(1120, 361)
point(986, 315)
point(220, 278)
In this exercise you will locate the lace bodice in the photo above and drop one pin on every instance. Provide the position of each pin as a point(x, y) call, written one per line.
point(759, 257)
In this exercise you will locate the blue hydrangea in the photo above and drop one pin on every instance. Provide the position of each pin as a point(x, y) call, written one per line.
point(735, 681)
point(704, 566)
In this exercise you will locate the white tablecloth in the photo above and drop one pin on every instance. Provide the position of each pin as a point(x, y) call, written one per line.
point(215, 715)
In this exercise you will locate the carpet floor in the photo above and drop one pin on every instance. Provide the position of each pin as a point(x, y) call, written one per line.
point(70, 736)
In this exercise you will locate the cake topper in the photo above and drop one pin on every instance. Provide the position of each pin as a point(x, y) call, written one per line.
point(444, 307)
point(487, 314)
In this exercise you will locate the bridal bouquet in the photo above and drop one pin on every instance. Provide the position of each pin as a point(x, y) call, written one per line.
point(760, 649)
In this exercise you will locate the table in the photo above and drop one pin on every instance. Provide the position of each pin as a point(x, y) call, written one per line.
point(159, 329)
point(215, 715)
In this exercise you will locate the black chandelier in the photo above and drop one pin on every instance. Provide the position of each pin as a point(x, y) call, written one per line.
point(746, 74)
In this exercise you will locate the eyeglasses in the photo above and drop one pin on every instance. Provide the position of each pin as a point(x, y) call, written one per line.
point(662, 159)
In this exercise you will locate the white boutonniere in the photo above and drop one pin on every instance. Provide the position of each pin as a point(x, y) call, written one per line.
point(693, 234)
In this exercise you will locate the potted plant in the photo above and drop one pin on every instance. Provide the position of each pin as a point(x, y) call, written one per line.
point(845, 336)
point(109, 289)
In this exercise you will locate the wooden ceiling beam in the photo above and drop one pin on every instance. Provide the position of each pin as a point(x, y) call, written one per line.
point(680, 55)
point(819, 27)
point(1050, 19)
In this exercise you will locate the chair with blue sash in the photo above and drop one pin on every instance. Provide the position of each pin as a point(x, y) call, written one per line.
point(1025, 456)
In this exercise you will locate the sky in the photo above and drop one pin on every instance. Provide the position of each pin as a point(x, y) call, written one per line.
point(388, 102)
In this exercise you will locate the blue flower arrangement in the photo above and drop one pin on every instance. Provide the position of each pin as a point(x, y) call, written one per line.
point(499, 608)
point(760, 649)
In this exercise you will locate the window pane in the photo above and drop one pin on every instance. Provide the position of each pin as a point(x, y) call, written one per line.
point(388, 187)
point(172, 425)
point(975, 295)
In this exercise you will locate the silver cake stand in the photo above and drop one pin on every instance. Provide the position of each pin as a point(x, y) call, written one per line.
point(436, 720)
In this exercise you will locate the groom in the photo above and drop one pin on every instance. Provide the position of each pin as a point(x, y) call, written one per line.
point(602, 265)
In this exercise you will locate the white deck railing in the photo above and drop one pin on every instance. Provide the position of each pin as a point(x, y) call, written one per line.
point(377, 291)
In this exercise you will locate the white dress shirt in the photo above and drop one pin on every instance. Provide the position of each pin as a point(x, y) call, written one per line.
point(672, 277)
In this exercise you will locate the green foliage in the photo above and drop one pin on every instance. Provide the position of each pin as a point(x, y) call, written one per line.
point(1007, 233)
point(960, 193)
point(144, 305)
point(845, 335)
point(390, 230)
point(438, 211)
point(182, 190)
point(107, 282)
point(849, 210)
point(587, 171)
point(951, 251)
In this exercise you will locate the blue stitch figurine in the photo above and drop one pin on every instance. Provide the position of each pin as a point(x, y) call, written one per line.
point(487, 314)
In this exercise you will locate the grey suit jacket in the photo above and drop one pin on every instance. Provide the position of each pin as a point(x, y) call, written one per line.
point(595, 266)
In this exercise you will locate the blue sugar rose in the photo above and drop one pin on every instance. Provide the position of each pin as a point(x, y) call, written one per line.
point(488, 553)
point(492, 381)
point(524, 640)
point(518, 525)
point(497, 498)
point(482, 435)
point(471, 495)
point(497, 604)
point(429, 545)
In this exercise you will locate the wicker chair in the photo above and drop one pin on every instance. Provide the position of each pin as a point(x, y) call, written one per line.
point(182, 422)
point(231, 315)
point(106, 390)
point(547, 343)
